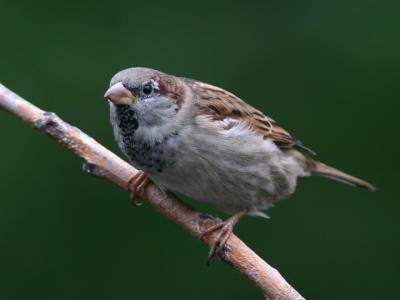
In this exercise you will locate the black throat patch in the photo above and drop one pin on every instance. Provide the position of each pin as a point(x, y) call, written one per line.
point(127, 119)
point(150, 158)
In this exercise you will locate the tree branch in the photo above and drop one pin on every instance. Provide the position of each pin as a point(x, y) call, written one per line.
point(103, 163)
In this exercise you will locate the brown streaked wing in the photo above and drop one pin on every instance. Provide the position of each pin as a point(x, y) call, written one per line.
point(219, 104)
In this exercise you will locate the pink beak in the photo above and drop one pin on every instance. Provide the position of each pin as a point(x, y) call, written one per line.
point(119, 95)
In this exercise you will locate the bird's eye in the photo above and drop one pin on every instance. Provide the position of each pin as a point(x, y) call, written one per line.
point(147, 89)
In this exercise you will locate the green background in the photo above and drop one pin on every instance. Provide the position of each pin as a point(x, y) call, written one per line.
point(328, 71)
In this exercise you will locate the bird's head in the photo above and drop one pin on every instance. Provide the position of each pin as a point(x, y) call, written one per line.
point(152, 94)
point(150, 99)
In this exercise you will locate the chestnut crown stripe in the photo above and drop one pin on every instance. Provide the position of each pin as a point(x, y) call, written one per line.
point(171, 87)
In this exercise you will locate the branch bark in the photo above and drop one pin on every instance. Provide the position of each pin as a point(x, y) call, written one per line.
point(103, 163)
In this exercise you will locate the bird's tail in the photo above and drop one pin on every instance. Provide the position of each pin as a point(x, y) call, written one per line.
point(318, 168)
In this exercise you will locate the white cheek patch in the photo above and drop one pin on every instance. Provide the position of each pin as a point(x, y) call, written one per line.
point(156, 117)
point(149, 100)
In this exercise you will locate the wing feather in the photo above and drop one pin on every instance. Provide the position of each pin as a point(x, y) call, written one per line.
point(219, 104)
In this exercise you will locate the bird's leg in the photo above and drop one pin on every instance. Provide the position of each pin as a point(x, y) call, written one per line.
point(136, 185)
point(224, 231)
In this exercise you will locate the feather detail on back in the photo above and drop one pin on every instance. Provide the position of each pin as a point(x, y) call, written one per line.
point(219, 104)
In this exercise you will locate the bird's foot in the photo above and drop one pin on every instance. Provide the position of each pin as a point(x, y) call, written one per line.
point(224, 231)
point(136, 185)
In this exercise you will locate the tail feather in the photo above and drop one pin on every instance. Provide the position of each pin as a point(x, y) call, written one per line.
point(318, 168)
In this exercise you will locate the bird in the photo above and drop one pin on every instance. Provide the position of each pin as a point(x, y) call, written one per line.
point(190, 137)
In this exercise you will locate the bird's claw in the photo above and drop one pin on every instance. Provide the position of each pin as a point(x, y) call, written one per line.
point(136, 185)
point(224, 231)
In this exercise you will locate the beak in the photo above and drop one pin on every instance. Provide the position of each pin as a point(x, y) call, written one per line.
point(119, 95)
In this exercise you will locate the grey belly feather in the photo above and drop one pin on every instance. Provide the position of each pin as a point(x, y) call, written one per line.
point(239, 171)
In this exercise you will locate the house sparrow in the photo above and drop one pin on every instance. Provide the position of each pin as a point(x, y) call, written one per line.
point(197, 139)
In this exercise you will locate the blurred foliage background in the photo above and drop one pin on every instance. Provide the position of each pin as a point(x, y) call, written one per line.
point(327, 70)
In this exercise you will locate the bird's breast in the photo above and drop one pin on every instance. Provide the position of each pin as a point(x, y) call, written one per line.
point(152, 156)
